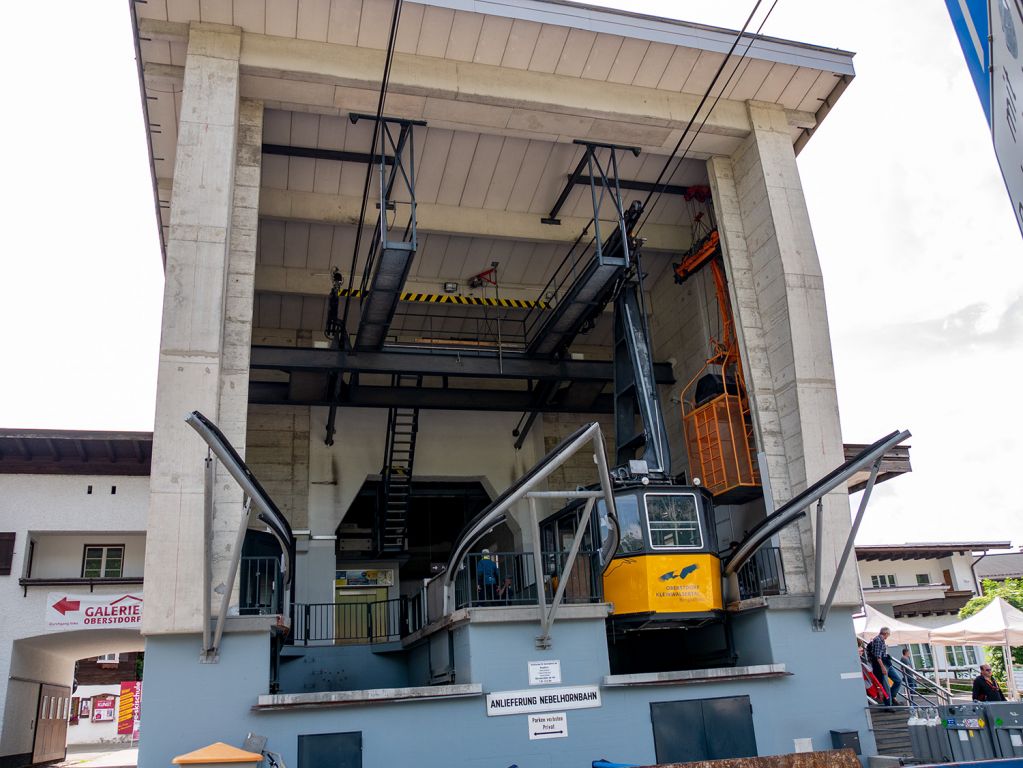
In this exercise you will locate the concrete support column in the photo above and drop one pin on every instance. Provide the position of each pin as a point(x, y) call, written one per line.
point(200, 349)
point(777, 294)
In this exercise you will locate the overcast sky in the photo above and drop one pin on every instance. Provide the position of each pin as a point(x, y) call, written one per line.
point(922, 260)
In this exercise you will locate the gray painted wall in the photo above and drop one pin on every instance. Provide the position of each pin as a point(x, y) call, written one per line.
point(187, 705)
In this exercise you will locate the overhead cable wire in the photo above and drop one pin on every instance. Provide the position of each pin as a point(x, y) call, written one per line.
point(742, 57)
point(385, 80)
point(661, 182)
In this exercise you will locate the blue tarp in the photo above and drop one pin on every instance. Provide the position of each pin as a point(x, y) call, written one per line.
point(1012, 762)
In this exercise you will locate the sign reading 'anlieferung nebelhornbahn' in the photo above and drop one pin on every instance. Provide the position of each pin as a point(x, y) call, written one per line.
point(542, 700)
point(64, 611)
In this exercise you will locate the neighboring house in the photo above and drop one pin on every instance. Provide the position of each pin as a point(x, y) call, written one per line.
point(73, 509)
point(926, 584)
point(999, 567)
point(96, 698)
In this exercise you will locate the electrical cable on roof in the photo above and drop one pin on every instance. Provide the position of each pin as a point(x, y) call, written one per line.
point(395, 16)
point(662, 178)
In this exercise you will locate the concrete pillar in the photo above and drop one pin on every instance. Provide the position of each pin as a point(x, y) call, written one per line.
point(207, 320)
point(777, 294)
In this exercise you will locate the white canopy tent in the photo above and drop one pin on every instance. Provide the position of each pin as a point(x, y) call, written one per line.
point(997, 624)
point(903, 632)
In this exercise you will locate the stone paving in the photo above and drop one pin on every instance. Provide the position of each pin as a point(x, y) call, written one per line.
point(100, 756)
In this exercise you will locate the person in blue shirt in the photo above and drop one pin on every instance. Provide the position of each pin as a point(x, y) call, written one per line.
point(487, 575)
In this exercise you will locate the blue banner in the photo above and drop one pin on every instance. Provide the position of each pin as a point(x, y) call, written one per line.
point(971, 22)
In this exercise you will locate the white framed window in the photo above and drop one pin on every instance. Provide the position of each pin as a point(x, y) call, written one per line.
point(923, 579)
point(882, 581)
point(673, 520)
point(921, 655)
point(108, 658)
point(103, 561)
point(961, 655)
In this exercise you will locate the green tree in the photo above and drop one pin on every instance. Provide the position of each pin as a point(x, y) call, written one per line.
point(1010, 590)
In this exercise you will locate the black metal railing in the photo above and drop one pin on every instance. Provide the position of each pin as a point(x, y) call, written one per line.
point(510, 579)
point(919, 689)
point(350, 623)
point(260, 586)
point(762, 575)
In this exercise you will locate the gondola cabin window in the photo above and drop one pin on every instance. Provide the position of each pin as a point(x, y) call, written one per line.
point(673, 520)
point(631, 530)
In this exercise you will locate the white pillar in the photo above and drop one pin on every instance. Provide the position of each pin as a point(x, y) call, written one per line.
point(204, 345)
point(777, 293)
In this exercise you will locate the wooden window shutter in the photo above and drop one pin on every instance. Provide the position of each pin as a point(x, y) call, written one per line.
point(6, 553)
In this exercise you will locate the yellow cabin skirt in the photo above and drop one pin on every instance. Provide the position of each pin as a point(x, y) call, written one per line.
point(667, 584)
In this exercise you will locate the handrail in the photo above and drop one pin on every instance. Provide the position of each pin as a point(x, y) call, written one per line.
point(921, 681)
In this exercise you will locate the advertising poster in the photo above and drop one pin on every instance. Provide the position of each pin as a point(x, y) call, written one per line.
point(102, 708)
point(129, 709)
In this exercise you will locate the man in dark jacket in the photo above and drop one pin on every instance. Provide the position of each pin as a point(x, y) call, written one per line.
point(877, 655)
point(985, 687)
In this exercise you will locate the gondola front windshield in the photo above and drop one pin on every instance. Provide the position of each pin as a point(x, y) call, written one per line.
point(673, 521)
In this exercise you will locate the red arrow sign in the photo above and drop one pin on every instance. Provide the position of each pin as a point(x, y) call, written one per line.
point(64, 605)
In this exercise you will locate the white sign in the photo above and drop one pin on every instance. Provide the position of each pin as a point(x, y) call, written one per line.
point(546, 700)
point(545, 672)
point(1007, 97)
point(64, 611)
point(553, 725)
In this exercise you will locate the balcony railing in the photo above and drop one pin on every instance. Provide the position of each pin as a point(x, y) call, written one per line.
point(762, 575)
point(515, 580)
point(513, 583)
point(351, 623)
point(260, 586)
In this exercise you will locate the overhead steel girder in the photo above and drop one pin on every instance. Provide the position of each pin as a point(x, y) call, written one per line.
point(432, 363)
point(428, 398)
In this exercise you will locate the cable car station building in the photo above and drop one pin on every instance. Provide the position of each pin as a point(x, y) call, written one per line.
point(519, 360)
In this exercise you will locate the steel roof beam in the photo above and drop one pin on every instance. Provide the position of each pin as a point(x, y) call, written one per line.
point(474, 364)
point(428, 398)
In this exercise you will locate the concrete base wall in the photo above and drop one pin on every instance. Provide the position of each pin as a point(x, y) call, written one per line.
point(341, 668)
point(187, 705)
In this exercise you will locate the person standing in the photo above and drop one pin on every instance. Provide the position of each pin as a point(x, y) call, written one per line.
point(907, 662)
point(877, 655)
point(985, 687)
point(486, 578)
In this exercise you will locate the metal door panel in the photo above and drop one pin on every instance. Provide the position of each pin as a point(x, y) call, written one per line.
point(703, 729)
point(330, 750)
point(728, 723)
point(679, 735)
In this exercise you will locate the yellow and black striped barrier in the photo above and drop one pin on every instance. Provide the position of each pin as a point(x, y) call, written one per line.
point(454, 298)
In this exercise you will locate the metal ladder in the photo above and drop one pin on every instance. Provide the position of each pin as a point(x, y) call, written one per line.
point(399, 457)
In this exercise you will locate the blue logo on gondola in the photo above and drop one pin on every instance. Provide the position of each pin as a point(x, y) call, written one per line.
point(680, 575)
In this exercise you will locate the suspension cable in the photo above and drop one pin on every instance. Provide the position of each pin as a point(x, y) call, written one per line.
point(663, 177)
point(385, 80)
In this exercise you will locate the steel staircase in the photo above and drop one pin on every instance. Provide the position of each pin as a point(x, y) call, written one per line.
point(399, 458)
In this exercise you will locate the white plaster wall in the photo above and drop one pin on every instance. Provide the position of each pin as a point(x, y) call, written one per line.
point(59, 556)
point(44, 505)
point(104, 732)
point(905, 571)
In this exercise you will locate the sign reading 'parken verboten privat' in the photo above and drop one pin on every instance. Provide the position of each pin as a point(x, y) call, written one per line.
point(65, 611)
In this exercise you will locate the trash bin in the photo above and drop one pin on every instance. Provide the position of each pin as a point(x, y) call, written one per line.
point(1005, 719)
point(845, 738)
point(968, 736)
point(918, 736)
point(927, 735)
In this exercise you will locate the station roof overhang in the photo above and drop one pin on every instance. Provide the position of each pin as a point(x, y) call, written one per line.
point(503, 87)
point(925, 551)
point(74, 452)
